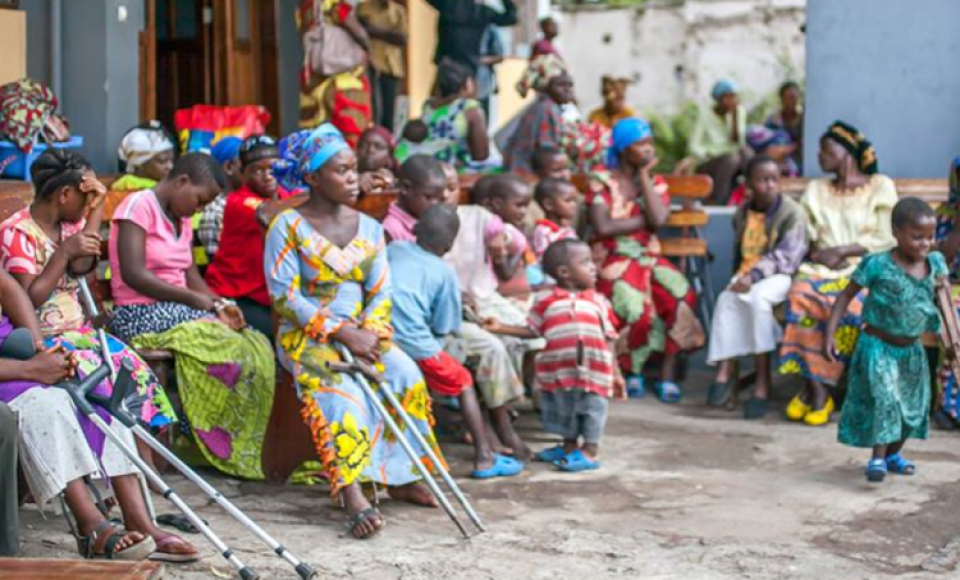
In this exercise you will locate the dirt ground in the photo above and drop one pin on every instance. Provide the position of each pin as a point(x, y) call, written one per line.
point(685, 492)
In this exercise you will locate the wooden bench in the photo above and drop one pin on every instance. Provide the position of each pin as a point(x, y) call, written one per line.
point(932, 191)
point(55, 569)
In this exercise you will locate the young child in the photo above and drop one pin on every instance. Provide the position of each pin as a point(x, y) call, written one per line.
point(146, 152)
point(769, 247)
point(426, 308)
point(414, 141)
point(233, 274)
point(577, 370)
point(422, 184)
point(451, 193)
point(227, 154)
point(550, 30)
point(888, 382)
point(508, 197)
point(375, 160)
point(550, 162)
point(559, 201)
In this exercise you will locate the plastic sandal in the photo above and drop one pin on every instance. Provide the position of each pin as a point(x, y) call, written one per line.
point(576, 462)
point(896, 463)
point(876, 470)
point(756, 408)
point(158, 556)
point(718, 393)
point(363, 516)
point(821, 417)
point(635, 387)
point(179, 522)
point(668, 391)
point(503, 466)
point(86, 545)
point(551, 455)
point(797, 409)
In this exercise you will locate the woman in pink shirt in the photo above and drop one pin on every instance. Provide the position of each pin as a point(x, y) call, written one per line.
point(225, 372)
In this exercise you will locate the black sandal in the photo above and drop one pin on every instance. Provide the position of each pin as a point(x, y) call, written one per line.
point(719, 393)
point(86, 545)
point(756, 408)
point(365, 516)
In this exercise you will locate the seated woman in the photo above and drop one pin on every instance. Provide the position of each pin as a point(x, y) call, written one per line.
point(46, 246)
point(455, 120)
point(58, 448)
point(614, 108)
point(718, 142)
point(235, 273)
point(225, 372)
point(147, 153)
point(327, 271)
point(849, 217)
point(652, 298)
point(948, 238)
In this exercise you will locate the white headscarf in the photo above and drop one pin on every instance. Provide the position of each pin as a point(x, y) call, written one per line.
point(142, 144)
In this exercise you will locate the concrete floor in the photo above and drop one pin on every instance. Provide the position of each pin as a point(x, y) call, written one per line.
point(685, 492)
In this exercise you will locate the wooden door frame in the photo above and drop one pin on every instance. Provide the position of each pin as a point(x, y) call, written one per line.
point(148, 62)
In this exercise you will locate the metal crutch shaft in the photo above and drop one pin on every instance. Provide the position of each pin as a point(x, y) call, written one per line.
point(78, 395)
point(407, 448)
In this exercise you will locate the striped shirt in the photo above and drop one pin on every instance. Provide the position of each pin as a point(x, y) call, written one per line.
point(577, 326)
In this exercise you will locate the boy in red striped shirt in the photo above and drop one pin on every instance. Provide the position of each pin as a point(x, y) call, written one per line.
point(577, 370)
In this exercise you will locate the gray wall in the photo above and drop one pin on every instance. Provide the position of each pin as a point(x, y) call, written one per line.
point(889, 68)
point(100, 95)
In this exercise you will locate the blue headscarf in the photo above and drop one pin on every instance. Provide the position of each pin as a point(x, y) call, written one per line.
point(226, 149)
point(723, 87)
point(323, 143)
point(625, 133)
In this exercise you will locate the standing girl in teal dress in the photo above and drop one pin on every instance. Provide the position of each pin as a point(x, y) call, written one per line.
point(888, 383)
point(328, 277)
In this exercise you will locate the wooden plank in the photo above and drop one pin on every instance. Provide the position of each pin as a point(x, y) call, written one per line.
point(933, 191)
point(683, 247)
point(689, 186)
point(50, 569)
point(687, 218)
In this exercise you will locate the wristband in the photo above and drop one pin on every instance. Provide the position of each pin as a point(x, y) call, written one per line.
point(221, 303)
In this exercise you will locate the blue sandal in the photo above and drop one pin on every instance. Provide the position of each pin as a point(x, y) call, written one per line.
point(635, 387)
point(503, 466)
point(876, 470)
point(897, 464)
point(551, 455)
point(577, 461)
point(668, 391)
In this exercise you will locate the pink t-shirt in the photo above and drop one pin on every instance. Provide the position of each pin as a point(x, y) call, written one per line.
point(166, 255)
point(399, 224)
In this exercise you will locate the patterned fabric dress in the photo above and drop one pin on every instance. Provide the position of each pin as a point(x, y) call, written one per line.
point(317, 287)
point(651, 297)
point(888, 392)
point(26, 249)
point(860, 216)
point(946, 222)
point(449, 130)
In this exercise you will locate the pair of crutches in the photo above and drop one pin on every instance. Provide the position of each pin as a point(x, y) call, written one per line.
point(84, 399)
point(364, 373)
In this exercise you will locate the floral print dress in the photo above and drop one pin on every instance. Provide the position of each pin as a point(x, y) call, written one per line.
point(652, 298)
point(317, 287)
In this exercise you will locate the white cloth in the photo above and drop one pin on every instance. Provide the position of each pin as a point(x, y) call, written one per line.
point(53, 450)
point(744, 324)
point(498, 382)
point(142, 144)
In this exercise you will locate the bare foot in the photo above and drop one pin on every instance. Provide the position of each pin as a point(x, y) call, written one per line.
point(415, 493)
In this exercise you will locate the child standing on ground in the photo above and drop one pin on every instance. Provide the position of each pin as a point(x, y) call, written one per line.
point(888, 385)
point(577, 370)
point(426, 308)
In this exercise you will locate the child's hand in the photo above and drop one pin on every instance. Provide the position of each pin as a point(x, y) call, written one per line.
point(742, 285)
point(829, 348)
point(497, 248)
point(619, 386)
point(82, 245)
point(232, 316)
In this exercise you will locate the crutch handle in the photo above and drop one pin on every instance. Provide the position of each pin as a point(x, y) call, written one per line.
point(122, 386)
point(79, 391)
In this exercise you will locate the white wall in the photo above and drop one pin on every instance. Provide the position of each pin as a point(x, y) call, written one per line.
point(675, 50)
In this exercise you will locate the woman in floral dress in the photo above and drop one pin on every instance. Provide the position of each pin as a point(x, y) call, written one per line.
point(328, 277)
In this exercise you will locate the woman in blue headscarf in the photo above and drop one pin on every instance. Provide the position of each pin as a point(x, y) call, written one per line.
point(653, 299)
point(328, 276)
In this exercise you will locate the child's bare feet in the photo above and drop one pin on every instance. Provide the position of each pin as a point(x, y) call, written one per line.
point(414, 493)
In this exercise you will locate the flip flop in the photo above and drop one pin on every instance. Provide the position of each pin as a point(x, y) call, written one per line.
point(756, 408)
point(668, 391)
point(502, 467)
point(158, 556)
point(718, 393)
point(363, 516)
point(896, 463)
point(635, 387)
point(179, 522)
point(576, 462)
point(876, 470)
point(551, 455)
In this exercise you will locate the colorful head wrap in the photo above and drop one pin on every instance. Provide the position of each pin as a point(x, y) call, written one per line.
point(541, 71)
point(323, 143)
point(723, 87)
point(851, 139)
point(948, 217)
point(226, 149)
point(626, 133)
point(143, 143)
point(257, 147)
point(287, 170)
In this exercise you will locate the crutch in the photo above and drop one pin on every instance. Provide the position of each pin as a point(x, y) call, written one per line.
point(124, 416)
point(361, 372)
point(82, 396)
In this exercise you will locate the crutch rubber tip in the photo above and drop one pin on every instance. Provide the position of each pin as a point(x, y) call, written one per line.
point(247, 573)
point(306, 572)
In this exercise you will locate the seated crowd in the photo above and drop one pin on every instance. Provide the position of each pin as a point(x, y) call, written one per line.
point(535, 289)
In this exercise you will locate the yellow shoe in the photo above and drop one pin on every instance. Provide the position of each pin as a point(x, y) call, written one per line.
point(821, 417)
point(797, 409)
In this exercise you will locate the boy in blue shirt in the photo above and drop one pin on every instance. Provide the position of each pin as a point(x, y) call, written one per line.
point(427, 307)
